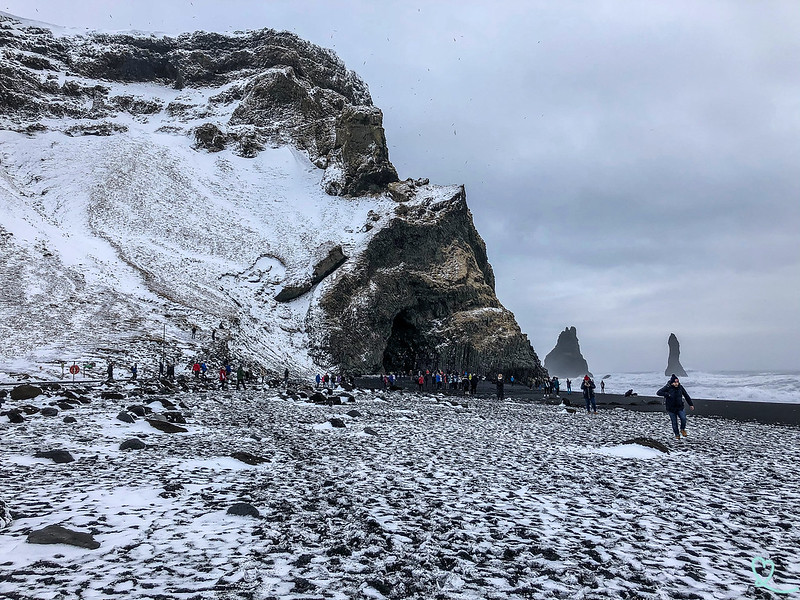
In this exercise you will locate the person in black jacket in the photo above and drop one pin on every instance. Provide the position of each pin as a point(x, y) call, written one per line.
point(674, 393)
point(588, 394)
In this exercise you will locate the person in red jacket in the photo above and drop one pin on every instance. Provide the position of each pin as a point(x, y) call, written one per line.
point(196, 370)
point(223, 377)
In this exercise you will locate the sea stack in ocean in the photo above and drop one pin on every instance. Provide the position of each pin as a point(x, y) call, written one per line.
point(673, 362)
point(566, 360)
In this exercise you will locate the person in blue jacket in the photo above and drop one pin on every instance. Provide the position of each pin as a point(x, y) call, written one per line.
point(674, 393)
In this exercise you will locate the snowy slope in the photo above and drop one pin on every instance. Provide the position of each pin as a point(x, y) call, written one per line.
point(143, 219)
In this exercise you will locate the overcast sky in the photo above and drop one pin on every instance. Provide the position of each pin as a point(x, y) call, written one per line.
point(634, 167)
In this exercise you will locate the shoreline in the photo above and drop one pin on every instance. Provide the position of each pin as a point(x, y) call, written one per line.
point(771, 413)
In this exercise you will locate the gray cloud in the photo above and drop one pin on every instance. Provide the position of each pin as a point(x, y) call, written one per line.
point(633, 167)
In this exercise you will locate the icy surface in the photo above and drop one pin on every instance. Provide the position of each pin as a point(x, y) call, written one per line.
point(510, 500)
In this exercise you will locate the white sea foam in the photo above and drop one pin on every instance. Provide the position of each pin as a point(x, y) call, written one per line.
point(763, 386)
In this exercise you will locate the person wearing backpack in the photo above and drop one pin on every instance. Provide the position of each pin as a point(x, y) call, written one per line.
point(588, 394)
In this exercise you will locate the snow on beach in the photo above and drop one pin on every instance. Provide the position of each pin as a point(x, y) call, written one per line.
point(487, 500)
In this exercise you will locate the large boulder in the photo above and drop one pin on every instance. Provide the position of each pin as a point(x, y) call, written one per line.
point(55, 534)
point(566, 360)
point(25, 392)
point(57, 456)
point(673, 361)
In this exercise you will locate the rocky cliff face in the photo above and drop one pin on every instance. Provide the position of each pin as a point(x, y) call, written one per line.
point(566, 360)
point(421, 295)
point(674, 362)
point(239, 183)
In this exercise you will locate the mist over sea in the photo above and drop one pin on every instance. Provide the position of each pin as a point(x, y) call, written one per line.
point(750, 386)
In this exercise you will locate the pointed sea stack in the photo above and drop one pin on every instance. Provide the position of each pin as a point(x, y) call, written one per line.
point(673, 363)
point(566, 360)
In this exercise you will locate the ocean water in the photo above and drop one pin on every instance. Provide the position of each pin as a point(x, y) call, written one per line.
point(751, 386)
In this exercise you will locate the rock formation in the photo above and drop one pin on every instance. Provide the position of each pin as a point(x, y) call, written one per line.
point(566, 360)
point(241, 183)
point(674, 362)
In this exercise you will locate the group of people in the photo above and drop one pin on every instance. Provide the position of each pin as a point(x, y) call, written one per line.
point(331, 381)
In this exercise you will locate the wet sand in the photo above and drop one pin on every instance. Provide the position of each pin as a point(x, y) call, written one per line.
point(761, 412)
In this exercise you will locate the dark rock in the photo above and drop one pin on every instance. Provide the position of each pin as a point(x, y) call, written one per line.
point(673, 362)
point(364, 155)
point(133, 444)
point(14, 416)
point(49, 411)
point(65, 406)
point(28, 409)
point(249, 459)
point(649, 443)
point(5, 515)
point(166, 427)
point(55, 534)
point(139, 410)
point(70, 420)
point(57, 456)
point(319, 398)
point(126, 417)
point(69, 395)
point(209, 137)
point(338, 423)
point(566, 360)
point(353, 413)
point(174, 416)
point(112, 395)
point(370, 431)
point(25, 392)
point(340, 550)
point(243, 509)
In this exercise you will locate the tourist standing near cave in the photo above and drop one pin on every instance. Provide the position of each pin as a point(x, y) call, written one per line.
point(588, 387)
point(673, 394)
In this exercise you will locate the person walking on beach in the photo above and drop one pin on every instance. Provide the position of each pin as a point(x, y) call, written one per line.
point(569, 386)
point(500, 383)
point(673, 394)
point(602, 387)
point(194, 331)
point(588, 387)
point(110, 371)
point(240, 377)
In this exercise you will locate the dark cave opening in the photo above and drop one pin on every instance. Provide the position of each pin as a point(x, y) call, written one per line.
point(406, 349)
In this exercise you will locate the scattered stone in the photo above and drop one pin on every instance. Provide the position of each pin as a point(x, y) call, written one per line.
point(166, 427)
point(139, 410)
point(25, 392)
point(338, 423)
point(55, 534)
point(57, 456)
point(174, 416)
point(649, 443)
point(133, 444)
point(126, 417)
point(340, 550)
point(15, 416)
point(353, 413)
point(65, 406)
point(28, 409)
point(5, 515)
point(370, 431)
point(69, 394)
point(249, 459)
point(243, 509)
point(112, 396)
point(70, 420)
point(319, 398)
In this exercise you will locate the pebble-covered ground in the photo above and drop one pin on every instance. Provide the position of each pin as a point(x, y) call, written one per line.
point(414, 497)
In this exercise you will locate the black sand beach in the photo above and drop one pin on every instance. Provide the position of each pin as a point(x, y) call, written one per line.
point(760, 412)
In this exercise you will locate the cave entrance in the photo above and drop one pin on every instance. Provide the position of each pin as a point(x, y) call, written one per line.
point(407, 348)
